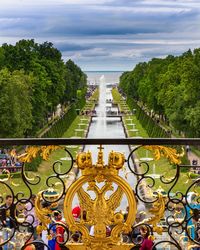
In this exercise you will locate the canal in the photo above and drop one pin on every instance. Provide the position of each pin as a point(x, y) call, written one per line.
point(109, 127)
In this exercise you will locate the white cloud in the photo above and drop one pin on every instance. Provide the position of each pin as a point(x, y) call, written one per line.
point(142, 9)
point(16, 3)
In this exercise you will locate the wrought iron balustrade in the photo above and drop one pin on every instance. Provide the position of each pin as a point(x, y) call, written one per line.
point(171, 219)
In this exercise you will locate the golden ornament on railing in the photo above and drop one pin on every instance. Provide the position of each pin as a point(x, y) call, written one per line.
point(167, 152)
point(157, 210)
point(33, 151)
point(42, 213)
point(100, 211)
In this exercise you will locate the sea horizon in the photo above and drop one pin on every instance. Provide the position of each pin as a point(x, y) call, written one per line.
point(110, 76)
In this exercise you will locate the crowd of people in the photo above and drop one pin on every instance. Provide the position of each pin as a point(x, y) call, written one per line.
point(56, 234)
point(27, 230)
point(7, 220)
point(8, 160)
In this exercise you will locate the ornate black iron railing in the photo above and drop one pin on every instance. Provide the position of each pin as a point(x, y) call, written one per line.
point(172, 217)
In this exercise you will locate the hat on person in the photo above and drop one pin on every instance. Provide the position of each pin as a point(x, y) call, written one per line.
point(76, 211)
point(57, 212)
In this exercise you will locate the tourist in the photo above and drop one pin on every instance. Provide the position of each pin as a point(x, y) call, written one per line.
point(194, 162)
point(76, 212)
point(140, 216)
point(4, 162)
point(193, 207)
point(31, 217)
point(187, 149)
point(147, 241)
point(60, 230)
point(30, 246)
point(7, 218)
point(44, 236)
point(197, 238)
point(8, 162)
point(75, 237)
point(52, 240)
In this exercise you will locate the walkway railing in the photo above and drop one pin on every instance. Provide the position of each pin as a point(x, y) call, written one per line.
point(172, 218)
point(98, 141)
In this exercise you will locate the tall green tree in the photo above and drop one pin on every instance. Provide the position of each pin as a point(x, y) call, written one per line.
point(15, 111)
point(51, 81)
point(170, 87)
point(76, 79)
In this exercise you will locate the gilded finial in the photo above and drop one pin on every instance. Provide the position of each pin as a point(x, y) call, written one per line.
point(100, 161)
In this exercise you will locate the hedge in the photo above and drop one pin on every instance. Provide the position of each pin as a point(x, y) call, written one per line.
point(151, 126)
point(61, 125)
point(58, 129)
point(14, 175)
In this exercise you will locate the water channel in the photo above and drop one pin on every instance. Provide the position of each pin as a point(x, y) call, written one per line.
point(108, 127)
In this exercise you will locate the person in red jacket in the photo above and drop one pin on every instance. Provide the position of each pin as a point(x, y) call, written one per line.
point(76, 212)
point(60, 230)
point(147, 242)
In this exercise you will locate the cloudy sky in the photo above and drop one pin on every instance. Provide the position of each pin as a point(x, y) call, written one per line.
point(104, 34)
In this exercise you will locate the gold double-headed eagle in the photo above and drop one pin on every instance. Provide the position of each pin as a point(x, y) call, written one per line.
point(99, 209)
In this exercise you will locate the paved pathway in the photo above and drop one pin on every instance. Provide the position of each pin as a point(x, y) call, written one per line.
point(192, 156)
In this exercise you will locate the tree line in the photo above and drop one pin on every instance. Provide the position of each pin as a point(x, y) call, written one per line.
point(169, 87)
point(33, 81)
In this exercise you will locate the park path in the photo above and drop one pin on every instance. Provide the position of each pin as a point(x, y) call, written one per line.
point(191, 156)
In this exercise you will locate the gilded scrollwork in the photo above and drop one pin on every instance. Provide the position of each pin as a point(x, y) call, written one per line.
point(158, 211)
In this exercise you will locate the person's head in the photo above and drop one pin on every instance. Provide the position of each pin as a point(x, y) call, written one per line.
point(57, 215)
point(76, 211)
point(46, 204)
point(144, 231)
point(75, 237)
point(196, 214)
point(9, 200)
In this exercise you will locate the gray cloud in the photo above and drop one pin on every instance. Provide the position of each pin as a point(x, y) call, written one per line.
point(62, 46)
point(92, 20)
point(105, 33)
point(95, 53)
point(112, 21)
